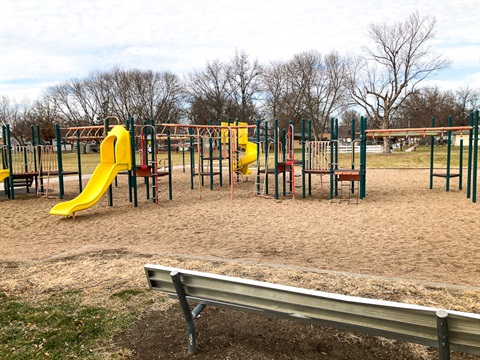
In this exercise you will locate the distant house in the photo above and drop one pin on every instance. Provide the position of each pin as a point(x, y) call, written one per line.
point(456, 136)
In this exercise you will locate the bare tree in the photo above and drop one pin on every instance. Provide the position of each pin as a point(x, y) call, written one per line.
point(209, 93)
point(244, 80)
point(44, 114)
point(169, 97)
point(100, 88)
point(400, 59)
point(72, 103)
point(16, 115)
point(274, 85)
point(346, 120)
point(423, 105)
point(316, 88)
point(427, 103)
point(143, 95)
point(467, 100)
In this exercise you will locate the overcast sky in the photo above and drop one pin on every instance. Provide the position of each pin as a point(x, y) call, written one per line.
point(47, 42)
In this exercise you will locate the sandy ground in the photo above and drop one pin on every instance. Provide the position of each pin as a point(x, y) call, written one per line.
point(401, 232)
point(401, 229)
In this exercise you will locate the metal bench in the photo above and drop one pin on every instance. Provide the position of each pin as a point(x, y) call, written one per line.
point(442, 329)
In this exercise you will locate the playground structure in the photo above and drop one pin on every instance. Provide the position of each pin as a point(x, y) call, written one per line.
point(118, 155)
point(317, 158)
point(34, 164)
point(348, 184)
point(296, 158)
point(432, 132)
point(210, 148)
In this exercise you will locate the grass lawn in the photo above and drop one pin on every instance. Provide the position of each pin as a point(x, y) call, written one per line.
point(63, 325)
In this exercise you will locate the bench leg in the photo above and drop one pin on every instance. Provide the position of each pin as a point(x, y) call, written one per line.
point(443, 336)
point(192, 344)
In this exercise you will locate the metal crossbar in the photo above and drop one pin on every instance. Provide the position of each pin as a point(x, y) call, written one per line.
point(442, 329)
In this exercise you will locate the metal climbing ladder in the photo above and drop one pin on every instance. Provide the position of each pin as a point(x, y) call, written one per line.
point(349, 188)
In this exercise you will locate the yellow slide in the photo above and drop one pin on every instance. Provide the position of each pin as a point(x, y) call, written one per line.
point(4, 173)
point(250, 148)
point(250, 157)
point(115, 156)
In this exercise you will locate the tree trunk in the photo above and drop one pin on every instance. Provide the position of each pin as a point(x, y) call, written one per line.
point(386, 146)
point(386, 125)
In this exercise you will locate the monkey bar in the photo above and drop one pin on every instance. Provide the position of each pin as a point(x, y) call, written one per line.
point(427, 131)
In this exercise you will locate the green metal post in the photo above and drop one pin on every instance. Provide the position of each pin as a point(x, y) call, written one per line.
point(130, 177)
point(10, 162)
point(6, 188)
point(58, 137)
point(110, 187)
point(310, 159)
point(335, 146)
point(192, 159)
point(304, 180)
point(275, 138)
point(257, 186)
point(365, 159)
point(361, 165)
point(153, 163)
point(134, 161)
point(332, 159)
point(267, 155)
point(284, 158)
point(460, 166)
point(449, 150)
point(475, 159)
point(432, 151)
point(363, 156)
point(470, 153)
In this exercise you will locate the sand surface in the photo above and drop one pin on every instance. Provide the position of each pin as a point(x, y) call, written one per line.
point(401, 229)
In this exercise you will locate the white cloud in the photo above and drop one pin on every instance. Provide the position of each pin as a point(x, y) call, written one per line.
point(59, 40)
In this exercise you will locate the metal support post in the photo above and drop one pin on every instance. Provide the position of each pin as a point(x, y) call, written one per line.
point(187, 313)
point(443, 337)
